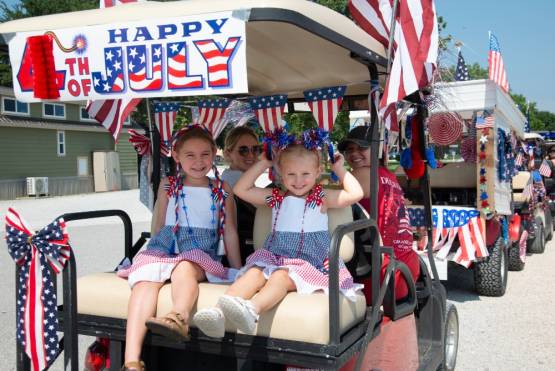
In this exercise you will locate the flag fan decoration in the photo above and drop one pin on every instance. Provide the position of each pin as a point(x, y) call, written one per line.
point(36, 254)
point(451, 222)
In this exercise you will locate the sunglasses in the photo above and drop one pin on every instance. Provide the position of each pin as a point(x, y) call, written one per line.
point(245, 150)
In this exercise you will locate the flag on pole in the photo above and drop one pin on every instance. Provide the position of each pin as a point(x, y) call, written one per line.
point(325, 104)
point(496, 67)
point(211, 114)
point(112, 113)
point(269, 111)
point(545, 169)
point(111, 3)
point(462, 71)
point(415, 42)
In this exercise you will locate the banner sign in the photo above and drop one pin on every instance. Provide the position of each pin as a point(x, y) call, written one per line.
point(193, 55)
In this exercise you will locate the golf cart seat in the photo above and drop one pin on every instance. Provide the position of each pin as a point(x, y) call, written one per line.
point(519, 183)
point(303, 318)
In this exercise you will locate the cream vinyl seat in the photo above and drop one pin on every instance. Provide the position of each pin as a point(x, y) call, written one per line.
point(519, 183)
point(298, 317)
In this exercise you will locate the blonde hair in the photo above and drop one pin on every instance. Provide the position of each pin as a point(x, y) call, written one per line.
point(235, 134)
point(298, 150)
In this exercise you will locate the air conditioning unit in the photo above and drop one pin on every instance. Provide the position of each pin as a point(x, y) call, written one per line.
point(37, 186)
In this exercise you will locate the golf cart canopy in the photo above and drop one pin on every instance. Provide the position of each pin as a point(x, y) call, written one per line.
point(291, 45)
point(467, 97)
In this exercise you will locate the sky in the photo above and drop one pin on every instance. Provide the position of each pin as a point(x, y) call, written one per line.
point(526, 35)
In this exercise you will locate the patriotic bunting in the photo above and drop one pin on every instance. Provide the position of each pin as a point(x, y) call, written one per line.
point(164, 117)
point(450, 223)
point(325, 104)
point(211, 115)
point(269, 111)
point(34, 254)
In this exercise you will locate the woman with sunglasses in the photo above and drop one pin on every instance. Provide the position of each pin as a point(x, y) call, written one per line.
point(241, 151)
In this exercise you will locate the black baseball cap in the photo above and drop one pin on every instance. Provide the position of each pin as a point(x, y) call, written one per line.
point(357, 136)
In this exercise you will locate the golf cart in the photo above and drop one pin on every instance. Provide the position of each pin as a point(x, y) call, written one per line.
point(471, 189)
point(549, 146)
point(286, 46)
point(530, 197)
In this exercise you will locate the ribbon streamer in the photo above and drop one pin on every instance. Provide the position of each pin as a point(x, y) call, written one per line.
point(34, 254)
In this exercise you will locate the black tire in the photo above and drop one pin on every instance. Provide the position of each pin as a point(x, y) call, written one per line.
point(515, 263)
point(490, 274)
point(537, 245)
point(450, 338)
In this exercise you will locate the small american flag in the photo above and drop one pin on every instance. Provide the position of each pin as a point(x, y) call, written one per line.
point(112, 113)
point(519, 159)
point(164, 117)
point(496, 67)
point(462, 71)
point(545, 169)
point(268, 111)
point(324, 104)
point(528, 189)
point(485, 122)
point(211, 114)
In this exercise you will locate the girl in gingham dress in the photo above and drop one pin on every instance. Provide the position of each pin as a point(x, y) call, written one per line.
point(295, 254)
point(194, 218)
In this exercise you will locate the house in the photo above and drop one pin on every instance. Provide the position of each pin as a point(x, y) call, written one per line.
point(56, 140)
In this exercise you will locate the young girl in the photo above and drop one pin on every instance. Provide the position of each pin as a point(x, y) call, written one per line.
point(188, 226)
point(295, 252)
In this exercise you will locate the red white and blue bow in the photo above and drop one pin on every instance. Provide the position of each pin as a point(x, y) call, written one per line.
point(34, 253)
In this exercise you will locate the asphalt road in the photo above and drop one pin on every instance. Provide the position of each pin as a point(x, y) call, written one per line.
point(514, 332)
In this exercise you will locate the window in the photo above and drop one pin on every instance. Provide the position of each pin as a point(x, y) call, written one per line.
point(85, 115)
point(61, 136)
point(13, 106)
point(54, 110)
point(82, 166)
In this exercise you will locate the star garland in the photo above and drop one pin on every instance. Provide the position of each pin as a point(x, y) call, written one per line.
point(483, 180)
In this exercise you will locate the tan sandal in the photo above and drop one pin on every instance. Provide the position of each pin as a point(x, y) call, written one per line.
point(133, 366)
point(172, 326)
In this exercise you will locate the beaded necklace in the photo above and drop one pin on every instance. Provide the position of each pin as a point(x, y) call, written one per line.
point(314, 198)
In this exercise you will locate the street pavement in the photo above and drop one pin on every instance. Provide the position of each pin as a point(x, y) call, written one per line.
point(514, 332)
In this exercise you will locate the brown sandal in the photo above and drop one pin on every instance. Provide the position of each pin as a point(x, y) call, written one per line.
point(172, 326)
point(133, 365)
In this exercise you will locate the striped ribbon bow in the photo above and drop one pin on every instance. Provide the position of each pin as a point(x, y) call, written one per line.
point(34, 253)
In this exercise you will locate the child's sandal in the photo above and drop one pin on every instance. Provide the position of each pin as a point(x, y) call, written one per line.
point(133, 366)
point(172, 325)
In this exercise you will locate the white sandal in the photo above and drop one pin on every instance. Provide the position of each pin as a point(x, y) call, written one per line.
point(211, 322)
point(240, 312)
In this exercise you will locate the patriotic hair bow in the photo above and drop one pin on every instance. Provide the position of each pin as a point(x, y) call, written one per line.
point(316, 140)
point(34, 254)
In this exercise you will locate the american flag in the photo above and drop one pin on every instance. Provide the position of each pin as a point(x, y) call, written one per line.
point(325, 104)
point(528, 189)
point(211, 114)
point(415, 42)
point(164, 117)
point(485, 122)
point(35, 253)
point(268, 111)
point(545, 169)
point(177, 68)
point(461, 73)
point(496, 67)
point(112, 113)
point(217, 57)
point(519, 160)
point(137, 57)
point(110, 3)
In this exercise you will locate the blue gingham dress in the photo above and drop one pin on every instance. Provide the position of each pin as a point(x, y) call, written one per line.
point(197, 244)
point(306, 262)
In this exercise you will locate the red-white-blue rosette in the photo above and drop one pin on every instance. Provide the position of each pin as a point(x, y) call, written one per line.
point(34, 253)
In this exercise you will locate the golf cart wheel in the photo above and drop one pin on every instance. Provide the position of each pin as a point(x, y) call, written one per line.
point(490, 274)
point(515, 262)
point(537, 245)
point(450, 338)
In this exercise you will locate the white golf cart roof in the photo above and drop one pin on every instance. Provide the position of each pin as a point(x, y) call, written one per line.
point(292, 45)
point(467, 97)
point(528, 136)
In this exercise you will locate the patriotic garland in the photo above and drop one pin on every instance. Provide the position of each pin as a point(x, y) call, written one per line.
point(34, 253)
point(450, 223)
point(483, 196)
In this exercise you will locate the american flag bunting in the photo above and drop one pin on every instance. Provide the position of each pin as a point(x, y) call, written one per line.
point(164, 118)
point(34, 254)
point(211, 114)
point(269, 111)
point(325, 104)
